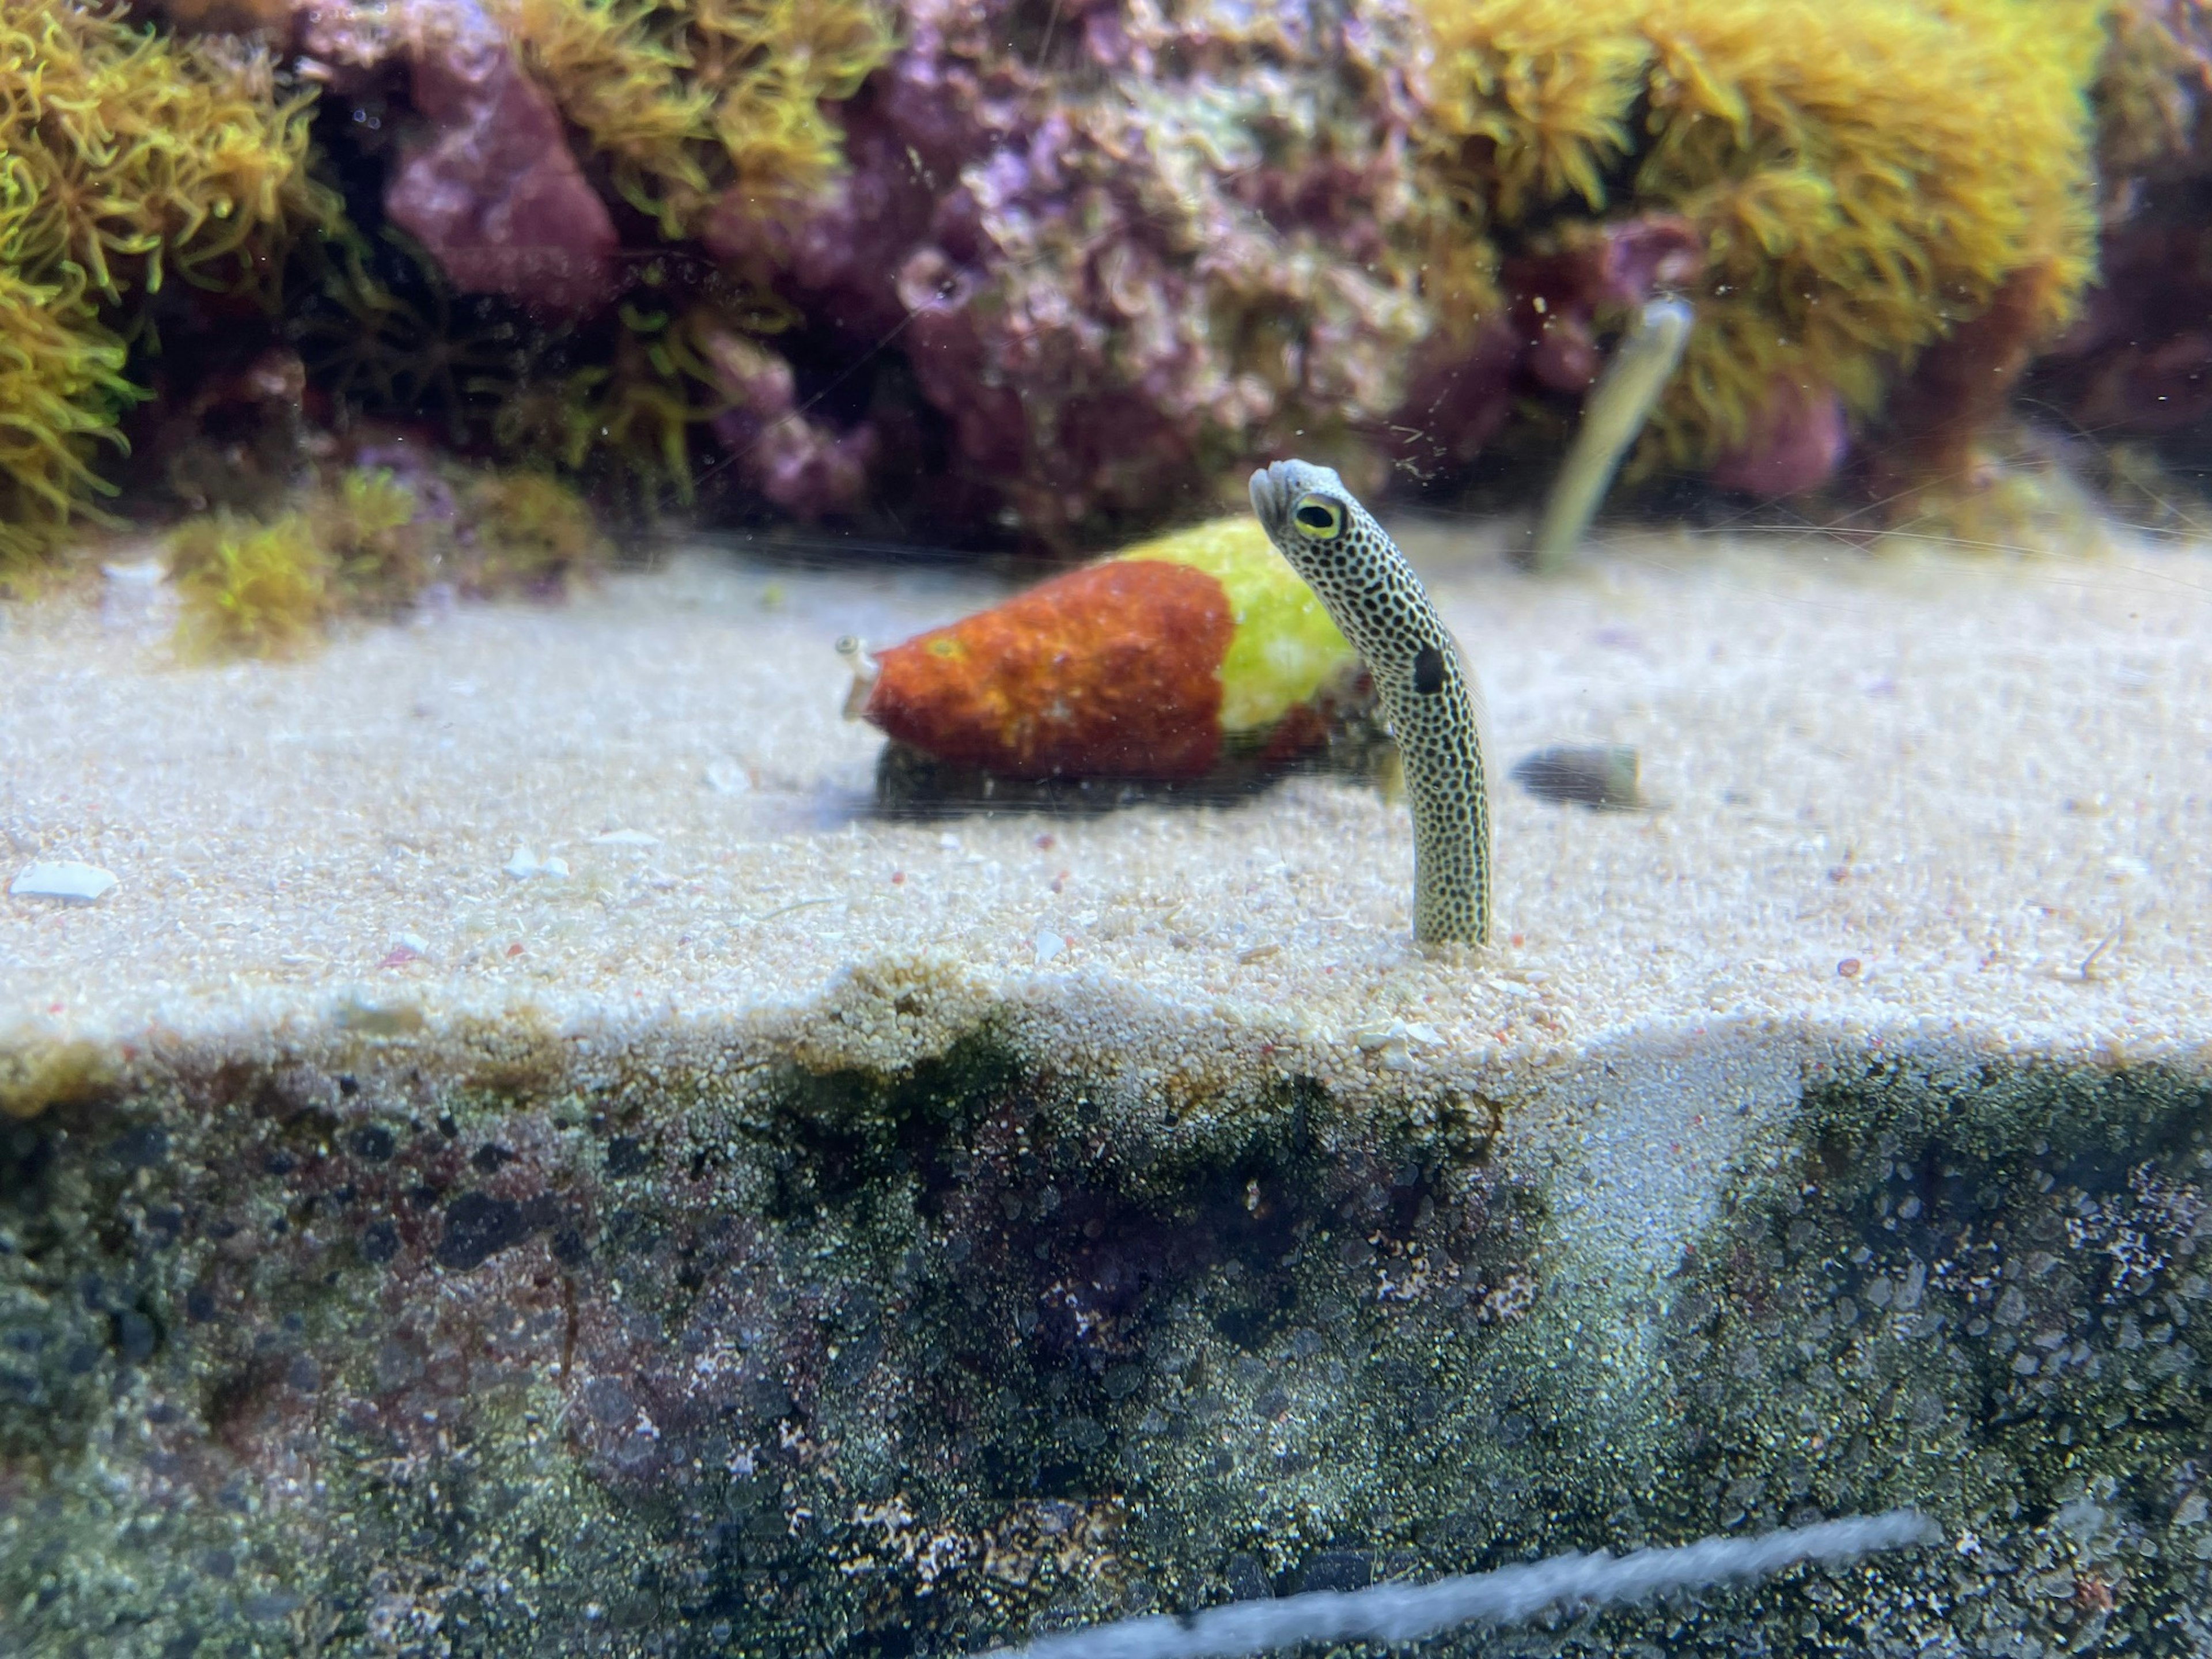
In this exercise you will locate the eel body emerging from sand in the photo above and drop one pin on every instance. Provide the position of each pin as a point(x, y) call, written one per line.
point(1427, 690)
point(1614, 414)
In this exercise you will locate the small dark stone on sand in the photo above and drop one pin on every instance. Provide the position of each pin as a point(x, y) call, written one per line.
point(379, 1242)
point(372, 1142)
point(142, 1148)
point(478, 1227)
point(136, 1337)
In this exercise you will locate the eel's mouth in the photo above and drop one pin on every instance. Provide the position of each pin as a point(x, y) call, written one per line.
point(1270, 499)
point(1276, 489)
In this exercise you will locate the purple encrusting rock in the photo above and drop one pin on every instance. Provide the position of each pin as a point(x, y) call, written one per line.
point(1083, 263)
point(1120, 249)
point(803, 465)
point(2140, 360)
point(1797, 444)
point(2137, 362)
point(495, 194)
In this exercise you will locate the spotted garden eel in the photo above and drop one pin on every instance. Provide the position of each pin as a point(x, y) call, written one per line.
point(1614, 414)
point(1427, 690)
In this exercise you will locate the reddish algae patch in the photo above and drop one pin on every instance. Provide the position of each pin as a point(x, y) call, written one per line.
point(1112, 670)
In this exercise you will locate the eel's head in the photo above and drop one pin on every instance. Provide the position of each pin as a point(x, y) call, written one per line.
point(1304, 508)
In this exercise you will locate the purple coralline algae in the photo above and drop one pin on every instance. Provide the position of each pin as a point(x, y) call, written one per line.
point(494, 194)
point(2140, 359)
point(805, 466)
point(1120, 248)
point(1797, 444)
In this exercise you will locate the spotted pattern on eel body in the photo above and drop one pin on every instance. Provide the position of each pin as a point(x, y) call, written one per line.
point(1428, 691)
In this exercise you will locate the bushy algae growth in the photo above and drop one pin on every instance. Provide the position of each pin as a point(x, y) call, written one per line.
point(249, 588)
point(691, 109)
point(1863, 177)
point(366, 543)
point(686, 101)
point(60, 386)
point(530, 529)
point(130, 158)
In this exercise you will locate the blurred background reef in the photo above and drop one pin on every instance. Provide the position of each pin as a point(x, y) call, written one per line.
point(351, 298)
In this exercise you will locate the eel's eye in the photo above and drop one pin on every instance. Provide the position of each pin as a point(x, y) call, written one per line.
point(1319, 517)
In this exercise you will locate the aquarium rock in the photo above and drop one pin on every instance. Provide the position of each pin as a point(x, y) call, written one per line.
point(1114, 252)
point(494, 193)
point(803, 465)
point(1798, 442)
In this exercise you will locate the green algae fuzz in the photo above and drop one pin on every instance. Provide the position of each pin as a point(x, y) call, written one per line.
point(40, 1075)
point(727, 1351)
point(1285, 650)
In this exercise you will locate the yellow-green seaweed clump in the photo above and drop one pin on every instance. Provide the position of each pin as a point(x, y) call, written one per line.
point(60, 387)
point(1284, 652)
point(1863, 176)
point(126, 158)
point(531, 530)
point(361, 544)
point(38, 1073)
point(370, 527)
point(686, 98)
point(249, 588)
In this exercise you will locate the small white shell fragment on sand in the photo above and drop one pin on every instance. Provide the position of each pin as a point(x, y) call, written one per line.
point(130, 595)
point(1398, 1032)
point(1048, 946)
point(74, 883)
point(728, 777)
point(625, 838)
point(526, 863)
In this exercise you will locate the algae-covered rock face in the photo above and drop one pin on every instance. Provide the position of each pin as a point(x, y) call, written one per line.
point(538, 1352)
point(773, 1362)
point(1987, 1296)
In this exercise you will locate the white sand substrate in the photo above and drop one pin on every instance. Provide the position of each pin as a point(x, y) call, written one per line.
point(1957, 807)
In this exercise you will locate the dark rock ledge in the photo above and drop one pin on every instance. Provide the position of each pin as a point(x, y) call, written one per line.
point(496, 1344)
